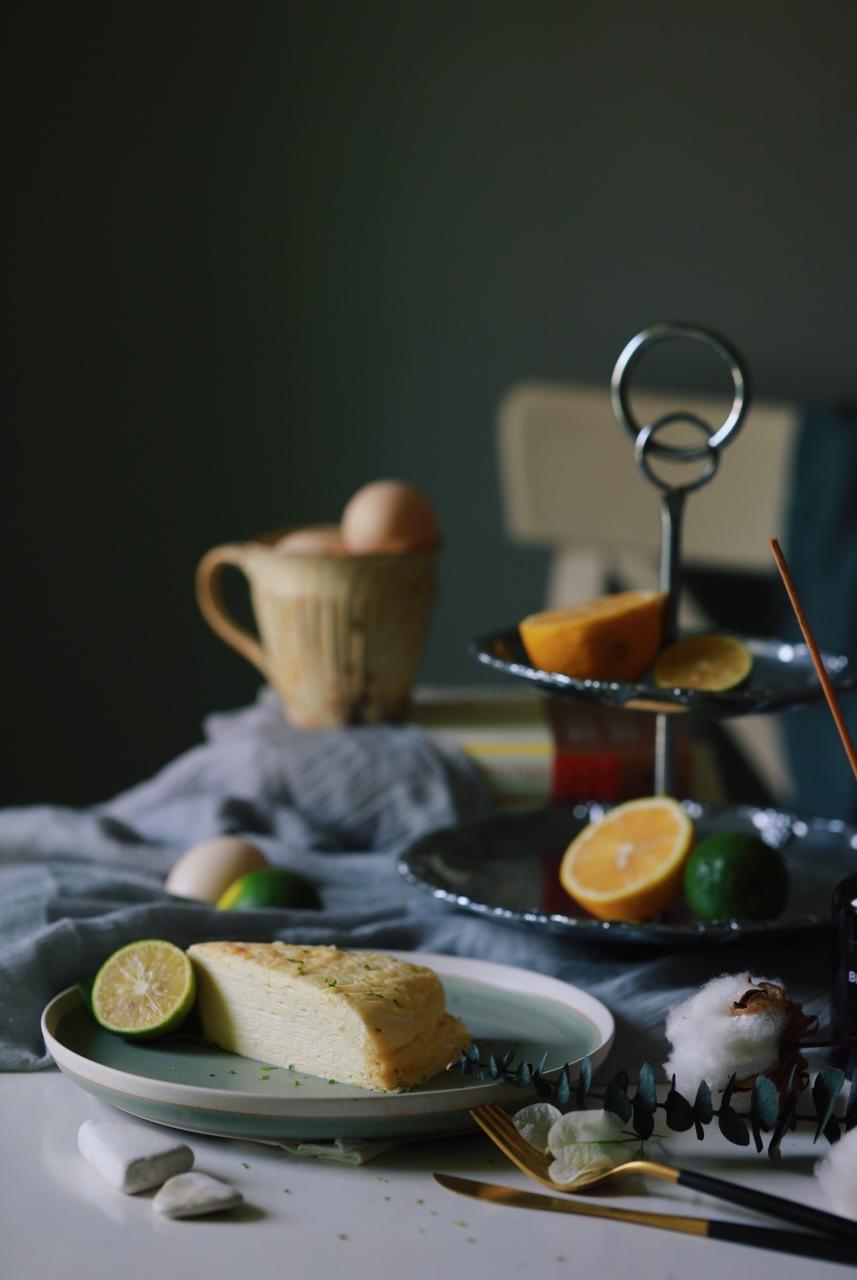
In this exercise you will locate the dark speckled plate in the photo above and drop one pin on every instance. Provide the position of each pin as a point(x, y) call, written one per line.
point(506, 868)
point(782, 676)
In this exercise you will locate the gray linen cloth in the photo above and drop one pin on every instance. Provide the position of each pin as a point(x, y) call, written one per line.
point(338, 807)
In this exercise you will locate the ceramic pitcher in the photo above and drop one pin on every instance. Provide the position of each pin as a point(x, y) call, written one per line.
point(340, 637)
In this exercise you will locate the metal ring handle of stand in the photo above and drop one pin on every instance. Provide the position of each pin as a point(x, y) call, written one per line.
point(630, 357)
point(646, 444)
point(673, 496)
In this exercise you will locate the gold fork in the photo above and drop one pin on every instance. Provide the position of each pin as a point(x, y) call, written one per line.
point(500, 1128)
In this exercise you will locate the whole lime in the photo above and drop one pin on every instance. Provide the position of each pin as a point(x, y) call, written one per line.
point(270, 887)
point(730, 876)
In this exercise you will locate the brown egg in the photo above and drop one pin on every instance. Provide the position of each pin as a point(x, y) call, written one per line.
point(389, 517)
point(318, 540)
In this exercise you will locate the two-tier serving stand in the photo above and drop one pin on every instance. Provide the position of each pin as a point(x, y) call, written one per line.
point(782, 675)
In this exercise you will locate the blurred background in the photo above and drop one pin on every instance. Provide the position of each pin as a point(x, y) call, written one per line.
point(262, 253)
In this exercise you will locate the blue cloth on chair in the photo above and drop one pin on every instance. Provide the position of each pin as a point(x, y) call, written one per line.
point(821, 546)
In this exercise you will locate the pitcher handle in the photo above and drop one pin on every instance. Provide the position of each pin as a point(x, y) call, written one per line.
point(209, 595)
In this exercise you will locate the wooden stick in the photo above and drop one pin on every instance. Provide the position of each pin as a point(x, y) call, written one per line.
point(817, 662)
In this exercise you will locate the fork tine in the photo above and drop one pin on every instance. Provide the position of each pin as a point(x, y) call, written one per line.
point(498, 1126)
point(504, 1124)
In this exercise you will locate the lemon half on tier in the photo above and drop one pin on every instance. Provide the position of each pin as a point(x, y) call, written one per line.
point(144, 989)
point(628, 865)
point(614, 637)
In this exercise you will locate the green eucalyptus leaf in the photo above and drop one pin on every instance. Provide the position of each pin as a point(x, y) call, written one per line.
point(787, 1113)
point(586, 1074)
point(493, 1067)
point(825, 1091)
point(679, 1112)
point(703, 1109)
point(543, 1061)
point(732, 1126)
point(473, 1053)
point(524, 1074)
point(563, 1088)
point(643, 1119)
point(757, 1134)
point(764, 1109)
point(616, 1097)
point(506, 1060)
point(765, 1103)
point(647, 1097)
point(728, 1091)
point(832, 1131)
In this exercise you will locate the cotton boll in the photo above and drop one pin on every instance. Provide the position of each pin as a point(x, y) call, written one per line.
point(534, 1123)
point(710, 1043)
point(837, 1175)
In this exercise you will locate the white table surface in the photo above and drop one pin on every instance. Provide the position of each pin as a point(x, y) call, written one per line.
point(315, 1221)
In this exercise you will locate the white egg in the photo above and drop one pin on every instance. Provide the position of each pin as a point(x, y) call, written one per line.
point(209, 868)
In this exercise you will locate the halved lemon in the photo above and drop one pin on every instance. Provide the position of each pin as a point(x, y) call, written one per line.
point(615, 637)
point(628, 865)
point(711, 662)
point(144, 989)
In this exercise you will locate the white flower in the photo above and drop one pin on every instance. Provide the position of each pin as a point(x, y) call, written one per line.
point(587, 1141)
point(709, 1043)
point(534, 1122)
point(837, 1174)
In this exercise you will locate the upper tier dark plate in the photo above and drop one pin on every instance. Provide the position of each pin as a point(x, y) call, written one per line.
point(783, 676)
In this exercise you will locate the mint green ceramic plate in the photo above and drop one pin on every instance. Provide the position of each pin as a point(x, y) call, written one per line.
point(185, 1084)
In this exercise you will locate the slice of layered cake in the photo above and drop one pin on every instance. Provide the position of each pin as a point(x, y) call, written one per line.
point(352, 1016)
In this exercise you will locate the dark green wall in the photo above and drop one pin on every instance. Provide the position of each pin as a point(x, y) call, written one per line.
point(265, 252)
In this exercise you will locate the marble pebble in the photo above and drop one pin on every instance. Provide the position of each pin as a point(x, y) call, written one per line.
point(131, 1158)
point(189, 1195)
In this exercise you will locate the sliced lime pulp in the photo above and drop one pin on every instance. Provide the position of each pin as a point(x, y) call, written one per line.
point(714, 663)
point(144, 989)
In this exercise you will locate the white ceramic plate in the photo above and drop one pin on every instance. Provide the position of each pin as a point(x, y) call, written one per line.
point(180, 1082)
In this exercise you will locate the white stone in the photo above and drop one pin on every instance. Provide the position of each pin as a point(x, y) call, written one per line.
point(131, 1158)
point(189, 1195)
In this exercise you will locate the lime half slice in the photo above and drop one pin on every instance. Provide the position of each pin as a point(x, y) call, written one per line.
point(144, 990)
point(711, 662)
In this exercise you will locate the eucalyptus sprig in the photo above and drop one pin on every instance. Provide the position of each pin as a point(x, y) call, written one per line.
point(769, 1112)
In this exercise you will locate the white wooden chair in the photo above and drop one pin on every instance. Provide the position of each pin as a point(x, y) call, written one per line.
point(569, 482)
